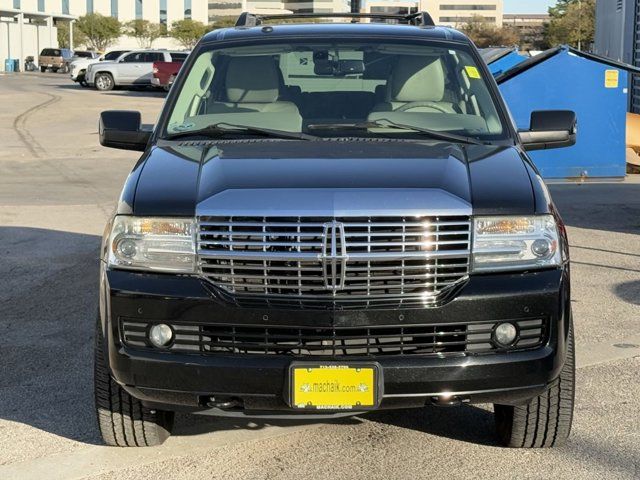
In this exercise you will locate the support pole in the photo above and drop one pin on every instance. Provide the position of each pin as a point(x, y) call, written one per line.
point(71, 34)
point(50, 27)
point(21, 43)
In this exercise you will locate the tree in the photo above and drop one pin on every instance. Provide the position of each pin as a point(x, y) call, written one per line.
point(143, 31)
point(485, 34)
point(100, 31)
point(187, 32)
point(222, 22)
point(63, 36)
point(573, 22)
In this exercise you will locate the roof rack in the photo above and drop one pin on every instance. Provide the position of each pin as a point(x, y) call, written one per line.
point(420, 19)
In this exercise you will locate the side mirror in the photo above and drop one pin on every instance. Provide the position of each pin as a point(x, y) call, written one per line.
point(123, 129)
point(550, 129)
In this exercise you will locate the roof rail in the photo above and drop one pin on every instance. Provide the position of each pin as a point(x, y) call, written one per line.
point(420, 19)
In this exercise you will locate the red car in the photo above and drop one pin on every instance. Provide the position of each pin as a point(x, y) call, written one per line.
point(164, 73)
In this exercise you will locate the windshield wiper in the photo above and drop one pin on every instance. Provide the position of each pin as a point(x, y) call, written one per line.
point(386, 123)
point(223, 128)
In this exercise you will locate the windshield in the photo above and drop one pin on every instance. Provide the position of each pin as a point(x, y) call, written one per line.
point(338, 89)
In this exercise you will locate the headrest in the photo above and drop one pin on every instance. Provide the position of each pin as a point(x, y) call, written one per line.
point(252, 80)
point(416, 79)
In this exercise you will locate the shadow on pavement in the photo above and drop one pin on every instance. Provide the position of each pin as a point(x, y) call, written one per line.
point(629, 291)
point(465, 423)
point(609, 207)
point(48, 303)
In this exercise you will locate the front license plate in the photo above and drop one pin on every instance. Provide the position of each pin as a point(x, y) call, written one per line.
point(334, 386)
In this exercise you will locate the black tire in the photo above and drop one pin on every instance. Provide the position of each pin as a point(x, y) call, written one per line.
point(123, 420)
point(43, 69)
point(172, 79)
point(546, 420)
point(104, 82)
point(54, 70)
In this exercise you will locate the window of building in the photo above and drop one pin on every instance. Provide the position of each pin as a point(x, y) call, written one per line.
point(466, 19)
point(468, 7)
point(41, 5)
point(114, 8)
point(16, 4)
point(187, 8)
point(89, 6)
point(65, 7)
point(138, 9)
point(163, 13)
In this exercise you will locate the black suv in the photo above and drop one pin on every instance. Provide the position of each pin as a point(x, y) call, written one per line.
point(330, 219)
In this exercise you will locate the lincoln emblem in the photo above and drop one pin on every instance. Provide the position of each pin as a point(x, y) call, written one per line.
point(334, 256)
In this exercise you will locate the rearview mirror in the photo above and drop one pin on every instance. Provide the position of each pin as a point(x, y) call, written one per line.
point(123, 129)
point(550, 129)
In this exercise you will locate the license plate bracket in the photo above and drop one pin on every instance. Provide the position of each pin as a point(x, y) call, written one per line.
point(335, 386)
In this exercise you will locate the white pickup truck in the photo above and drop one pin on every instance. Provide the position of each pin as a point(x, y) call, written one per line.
point(133, 68)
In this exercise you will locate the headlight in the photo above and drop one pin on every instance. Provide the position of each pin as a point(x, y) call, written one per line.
point(515, 243)
point(159, 244)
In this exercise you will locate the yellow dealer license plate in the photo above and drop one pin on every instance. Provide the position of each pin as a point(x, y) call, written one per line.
point(335, 386)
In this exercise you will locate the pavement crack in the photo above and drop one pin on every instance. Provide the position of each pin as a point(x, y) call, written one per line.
point(19, 125)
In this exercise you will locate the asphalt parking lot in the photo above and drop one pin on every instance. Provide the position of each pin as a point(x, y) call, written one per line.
point(57, 188)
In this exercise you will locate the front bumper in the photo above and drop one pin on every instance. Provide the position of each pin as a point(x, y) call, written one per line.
point(258, 383)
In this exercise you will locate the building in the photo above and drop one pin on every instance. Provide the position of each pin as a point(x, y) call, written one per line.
point(452, 13)
point(530, 28)
point(233, 8)
point(618, 37)
point(30, 25)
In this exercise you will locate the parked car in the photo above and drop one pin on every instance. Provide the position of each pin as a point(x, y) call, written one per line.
point(329, 219)
point(165, 73)
point(134, 68)
point(77, 55)
point(78, 67)
point(53, 58)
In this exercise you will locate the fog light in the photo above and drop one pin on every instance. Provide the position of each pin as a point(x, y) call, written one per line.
point(505, 334)
point(160, 335)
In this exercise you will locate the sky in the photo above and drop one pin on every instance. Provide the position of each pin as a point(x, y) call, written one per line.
point(527, 6)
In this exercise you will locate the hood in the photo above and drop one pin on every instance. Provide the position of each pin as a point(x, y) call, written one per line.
point(328, 178)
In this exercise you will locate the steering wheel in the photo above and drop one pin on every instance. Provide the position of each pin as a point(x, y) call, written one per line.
point(411, 105)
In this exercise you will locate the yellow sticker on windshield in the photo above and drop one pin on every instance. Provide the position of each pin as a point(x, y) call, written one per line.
point(472, 72)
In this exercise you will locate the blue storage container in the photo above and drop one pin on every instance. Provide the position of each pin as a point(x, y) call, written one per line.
point(501, 59)
point(595, 88)
point(9, 65)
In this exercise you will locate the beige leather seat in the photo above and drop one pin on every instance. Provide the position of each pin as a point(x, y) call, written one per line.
point(416, 84)
point(252, 84)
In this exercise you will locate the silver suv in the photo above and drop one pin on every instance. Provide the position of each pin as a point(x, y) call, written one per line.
point(133, 68)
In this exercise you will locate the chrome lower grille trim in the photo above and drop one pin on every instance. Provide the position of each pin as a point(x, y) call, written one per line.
point(344, 262)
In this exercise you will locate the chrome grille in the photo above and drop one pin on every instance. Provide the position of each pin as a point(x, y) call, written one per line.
point(354, 262)
point(375, 340)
